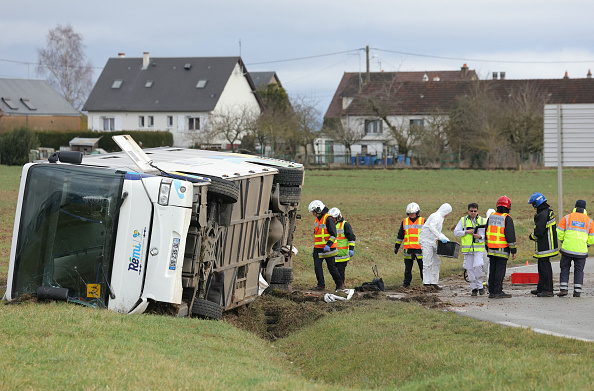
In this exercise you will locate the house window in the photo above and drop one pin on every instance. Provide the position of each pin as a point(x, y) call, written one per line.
point(201, 83)
point(117, 83)
point(170, 121)
point(151, 121)
point(194, 123)
point(108, 123)
point(141, 121)
point(10, 103)
point(417, 122)
point(373, 127)
point(28, 103)
point(363, 149)
point(148, 84)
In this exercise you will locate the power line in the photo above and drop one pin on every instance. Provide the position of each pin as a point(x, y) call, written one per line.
point(480, 60)
point(304, 58)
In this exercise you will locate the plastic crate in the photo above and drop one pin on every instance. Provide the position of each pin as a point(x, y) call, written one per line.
point(524, 278)
point(448, 249)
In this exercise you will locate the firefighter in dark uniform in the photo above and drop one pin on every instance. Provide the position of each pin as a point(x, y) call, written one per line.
point(546, 246)
point(325, 246)
point(501, 242)
point(409, 234)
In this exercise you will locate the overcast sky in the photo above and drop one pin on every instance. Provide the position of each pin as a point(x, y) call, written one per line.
point(310, 44)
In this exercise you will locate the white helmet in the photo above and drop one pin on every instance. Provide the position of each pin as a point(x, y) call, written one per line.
point(413, 207)
point(334, 212)
point(316, 206)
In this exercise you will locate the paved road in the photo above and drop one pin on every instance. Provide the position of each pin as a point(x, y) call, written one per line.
point(562, 316)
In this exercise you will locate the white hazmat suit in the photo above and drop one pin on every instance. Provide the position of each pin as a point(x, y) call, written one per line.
point(428, 237)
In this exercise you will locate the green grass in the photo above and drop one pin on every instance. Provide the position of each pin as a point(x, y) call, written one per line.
point(374, 202)
point(10, 179)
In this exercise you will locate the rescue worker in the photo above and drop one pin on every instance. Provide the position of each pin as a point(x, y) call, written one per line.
point(485, 257)
point(345, 241)
point(324, 244)
point(576, 231)
point(501, 242)
point(545, 246)
point(409, 234)
point(428, 237)
point(472, 247)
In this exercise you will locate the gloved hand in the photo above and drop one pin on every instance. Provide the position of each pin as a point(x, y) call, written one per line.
point(396, 248)
point(326, 248)
point(351, 253)
point(444, 240)
point(531, 237)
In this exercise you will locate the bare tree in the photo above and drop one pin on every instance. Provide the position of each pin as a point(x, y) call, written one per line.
point(432, 138)
point(231, 124)
point(64, 62)
point(205, 137)
point(308, 122)
point(348, 133)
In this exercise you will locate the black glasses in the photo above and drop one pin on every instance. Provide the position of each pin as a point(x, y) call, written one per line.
point(473, 211)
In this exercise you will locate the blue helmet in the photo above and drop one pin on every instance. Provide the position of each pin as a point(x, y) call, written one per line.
point(536, 199)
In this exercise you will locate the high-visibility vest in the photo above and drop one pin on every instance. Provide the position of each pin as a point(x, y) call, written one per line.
point(576, 230)
point(468, 245)
point(342, 244)
point(321, 235)
point(496, 235)
point(411, 232)
point(550, 251)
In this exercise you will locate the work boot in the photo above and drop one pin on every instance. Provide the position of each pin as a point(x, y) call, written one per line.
point(474, 292)
point(339, 287)
point(405, 285)
point(317, 288)
point(535, 291)
point(493, 295)
point(482, 291)
point(504, 295)
point(577, 294)
point(545, 294)
point(437, 287)
point(562, 292)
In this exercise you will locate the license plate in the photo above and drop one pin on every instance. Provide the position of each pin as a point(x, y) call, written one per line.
point(174, 252)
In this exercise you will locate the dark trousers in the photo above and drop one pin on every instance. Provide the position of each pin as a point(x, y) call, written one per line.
point(408, 265)
point(341, 267)
point(578, 272)
point(545, 275)
point(320, 271)
point(497, 268)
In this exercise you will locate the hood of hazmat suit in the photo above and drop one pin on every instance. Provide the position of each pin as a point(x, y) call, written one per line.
point(431, 231)
point(489, 212)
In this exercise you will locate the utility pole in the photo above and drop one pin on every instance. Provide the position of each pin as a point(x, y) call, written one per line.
point(368, 76)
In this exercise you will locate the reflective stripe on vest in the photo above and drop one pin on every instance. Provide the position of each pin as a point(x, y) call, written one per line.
point(411, 232)
point(467, 241)
point(321, 235)
point(342, 244)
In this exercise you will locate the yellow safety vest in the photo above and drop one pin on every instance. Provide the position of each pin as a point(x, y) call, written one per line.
point(468, 244)
point(342, 244)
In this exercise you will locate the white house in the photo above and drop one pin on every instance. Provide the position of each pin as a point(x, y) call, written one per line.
point(181, 95)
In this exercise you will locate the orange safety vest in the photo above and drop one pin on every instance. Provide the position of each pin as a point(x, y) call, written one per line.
point(411, 232)
point(496, 231)
point(321, 235)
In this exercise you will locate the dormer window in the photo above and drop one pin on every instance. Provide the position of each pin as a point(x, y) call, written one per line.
point(117, 84)
point(148, 84)
point(201, 83)
point(28, 103)
point(10, 103)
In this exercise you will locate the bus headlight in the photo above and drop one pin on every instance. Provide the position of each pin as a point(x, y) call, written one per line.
point(164, 190)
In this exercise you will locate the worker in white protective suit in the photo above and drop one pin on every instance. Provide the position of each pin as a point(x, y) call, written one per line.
point(428, 237)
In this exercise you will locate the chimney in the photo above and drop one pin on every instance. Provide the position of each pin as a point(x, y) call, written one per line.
point(494, 75)
point(502, 75)
point(145, 60)
point(589, 75)
point(464, 72)
point(436, 78)
point(121, 55)
point(425, 77)
point(566, 75)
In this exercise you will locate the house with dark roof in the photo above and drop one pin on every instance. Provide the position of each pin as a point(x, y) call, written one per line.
point(176, 94)
point(412, 101)
point(36, 105)
point(263, 79)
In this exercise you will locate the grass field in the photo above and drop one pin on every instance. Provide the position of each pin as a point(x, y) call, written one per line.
point(368, 344)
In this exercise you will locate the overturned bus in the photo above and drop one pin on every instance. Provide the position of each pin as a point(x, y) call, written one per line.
point(185, 231)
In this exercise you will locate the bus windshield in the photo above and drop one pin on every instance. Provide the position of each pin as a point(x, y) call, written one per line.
point(67, 231)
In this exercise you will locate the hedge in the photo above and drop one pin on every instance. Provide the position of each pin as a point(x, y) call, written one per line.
point(149, 139)
point(15, 146)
